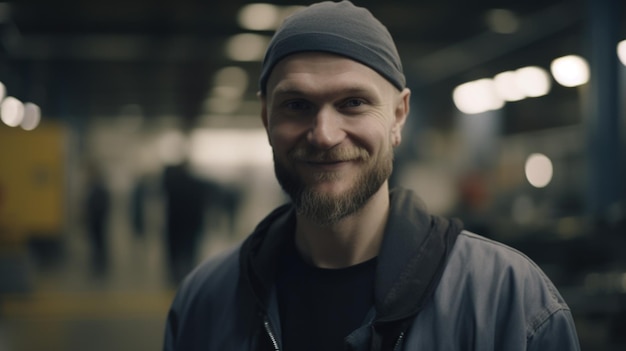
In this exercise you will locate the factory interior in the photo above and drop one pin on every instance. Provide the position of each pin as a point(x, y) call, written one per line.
point(517, 127)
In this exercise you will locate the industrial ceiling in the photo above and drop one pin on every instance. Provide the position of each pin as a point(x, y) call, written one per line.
point(83, 59)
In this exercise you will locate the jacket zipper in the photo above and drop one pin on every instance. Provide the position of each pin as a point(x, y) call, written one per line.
point(270, 334)
point(398, 344)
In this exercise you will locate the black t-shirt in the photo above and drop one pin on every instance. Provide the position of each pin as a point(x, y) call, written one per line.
point(320, 307)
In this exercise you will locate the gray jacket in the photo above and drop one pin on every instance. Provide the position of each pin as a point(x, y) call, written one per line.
point(437, 288)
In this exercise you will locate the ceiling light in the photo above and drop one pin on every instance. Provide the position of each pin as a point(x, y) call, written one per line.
point(533, 81)
point(477, 96)
point(247, 47)
point(11, 111)
point(621, 51)
point(259, 16)
point(506, 87)
point(32, 116)
point(538, 170)
point(570, 71)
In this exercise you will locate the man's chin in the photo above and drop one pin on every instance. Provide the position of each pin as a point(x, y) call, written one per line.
point(323, 206)
point(329, 188)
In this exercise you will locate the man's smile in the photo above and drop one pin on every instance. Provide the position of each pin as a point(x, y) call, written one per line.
point(328, 165)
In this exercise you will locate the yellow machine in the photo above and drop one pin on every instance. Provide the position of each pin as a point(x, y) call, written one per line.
point(32, 181)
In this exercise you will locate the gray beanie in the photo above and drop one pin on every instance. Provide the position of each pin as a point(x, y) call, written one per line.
point(339, 28)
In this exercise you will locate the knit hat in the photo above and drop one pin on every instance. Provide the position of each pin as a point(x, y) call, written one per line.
point(339, 28)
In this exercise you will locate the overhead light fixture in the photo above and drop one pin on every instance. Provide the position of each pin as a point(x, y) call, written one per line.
point(533, 81)
point(570, 71)
point(477, 96)
point(259, 16)
point(621, 51)
point(263, 16)
point(247, 47)
point(11, 111)
point(506, 86)
point(32, 116)
point(538, 170)
point(490, 94)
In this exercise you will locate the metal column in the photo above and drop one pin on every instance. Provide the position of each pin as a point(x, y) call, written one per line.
point(605, 171)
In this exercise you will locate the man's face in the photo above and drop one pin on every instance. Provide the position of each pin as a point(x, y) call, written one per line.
point(333, 124)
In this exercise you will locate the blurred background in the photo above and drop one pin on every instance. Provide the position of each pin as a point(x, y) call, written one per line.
point(131, 148)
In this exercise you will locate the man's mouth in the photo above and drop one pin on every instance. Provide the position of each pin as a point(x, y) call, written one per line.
point(329, 157)
point(325, 162)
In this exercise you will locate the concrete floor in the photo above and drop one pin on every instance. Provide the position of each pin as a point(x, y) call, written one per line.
point(59, 304)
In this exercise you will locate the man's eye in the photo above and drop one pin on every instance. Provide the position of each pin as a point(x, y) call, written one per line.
point(297, 105)
point(353, 103)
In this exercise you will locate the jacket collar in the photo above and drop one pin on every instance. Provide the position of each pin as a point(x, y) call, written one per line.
point(411, 260)
point(412, 256)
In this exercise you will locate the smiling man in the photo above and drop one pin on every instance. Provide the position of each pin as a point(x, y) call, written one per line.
point(332, 123)
point(350, 264)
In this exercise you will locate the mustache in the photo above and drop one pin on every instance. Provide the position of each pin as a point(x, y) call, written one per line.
point(308, 154)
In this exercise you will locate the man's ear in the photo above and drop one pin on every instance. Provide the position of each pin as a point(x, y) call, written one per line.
point(401, 112)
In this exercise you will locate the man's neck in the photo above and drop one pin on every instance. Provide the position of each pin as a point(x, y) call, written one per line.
point(354, 239)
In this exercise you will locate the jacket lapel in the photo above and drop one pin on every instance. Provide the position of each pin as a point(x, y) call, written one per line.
point(412, 258)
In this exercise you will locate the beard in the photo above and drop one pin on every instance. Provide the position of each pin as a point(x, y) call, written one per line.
point(323, 208)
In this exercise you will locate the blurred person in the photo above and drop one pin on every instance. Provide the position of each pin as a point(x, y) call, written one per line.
point(226, 200)
point(350, 264)
point(184, 211)
point(137, 206)
point(97, 207)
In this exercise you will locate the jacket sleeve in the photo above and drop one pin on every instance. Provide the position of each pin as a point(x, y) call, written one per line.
point(169, 341)
point(557, 333)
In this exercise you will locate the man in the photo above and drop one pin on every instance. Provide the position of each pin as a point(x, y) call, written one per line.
point(349, 264)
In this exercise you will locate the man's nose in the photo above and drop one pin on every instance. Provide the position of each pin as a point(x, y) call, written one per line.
point(326, 129)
